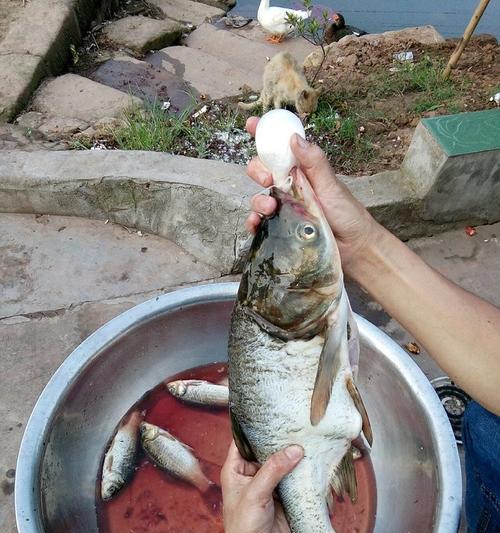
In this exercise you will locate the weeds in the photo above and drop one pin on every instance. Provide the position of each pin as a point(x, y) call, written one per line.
point(424, 76)
point(216, 131)
point(337, 128)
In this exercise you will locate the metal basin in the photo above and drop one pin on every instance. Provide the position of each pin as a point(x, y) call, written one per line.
point(414, 455)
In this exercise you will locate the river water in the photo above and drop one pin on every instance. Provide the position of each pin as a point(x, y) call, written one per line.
point(450, 17)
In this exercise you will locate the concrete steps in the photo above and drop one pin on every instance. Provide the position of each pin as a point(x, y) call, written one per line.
point(207, 74)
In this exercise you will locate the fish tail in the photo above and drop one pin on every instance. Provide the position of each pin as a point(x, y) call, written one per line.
point(304, 498)
point(201, 482)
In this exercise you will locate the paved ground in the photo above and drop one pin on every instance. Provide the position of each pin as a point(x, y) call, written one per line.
point(63, 277)
point(9, 12)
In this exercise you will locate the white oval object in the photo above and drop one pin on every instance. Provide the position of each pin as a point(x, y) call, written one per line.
point(272, 139)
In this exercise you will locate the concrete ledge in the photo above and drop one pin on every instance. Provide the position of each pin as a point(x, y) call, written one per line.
point(198, 204)
point(37, 45)
point(458, 184)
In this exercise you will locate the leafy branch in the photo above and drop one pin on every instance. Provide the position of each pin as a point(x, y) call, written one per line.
point(311, 29)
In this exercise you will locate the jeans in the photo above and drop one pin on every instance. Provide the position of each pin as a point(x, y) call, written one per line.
point(481, 438)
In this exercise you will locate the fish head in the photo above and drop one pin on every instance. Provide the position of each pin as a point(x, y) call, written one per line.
point(293, 274)
point(177, 388)
point(149, 432)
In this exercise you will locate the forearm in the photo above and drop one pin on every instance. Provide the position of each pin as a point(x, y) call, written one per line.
point(458, 329)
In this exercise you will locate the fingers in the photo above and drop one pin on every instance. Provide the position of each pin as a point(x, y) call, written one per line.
point(251, 125)
point(273, 471)
point(265, 205)
point(313, 161)
point(262, 206)
point(259, 173)
point(252, 222)
point(235, 465)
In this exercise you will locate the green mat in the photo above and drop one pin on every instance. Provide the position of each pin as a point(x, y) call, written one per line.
point(466, 133)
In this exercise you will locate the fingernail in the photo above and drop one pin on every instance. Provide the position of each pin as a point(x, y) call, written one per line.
point(264, 177)
point(303, 144)
point(294, 453)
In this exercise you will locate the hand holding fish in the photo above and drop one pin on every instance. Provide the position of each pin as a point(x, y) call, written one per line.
point(409, 290)
point(249, 506)
point(351, 223)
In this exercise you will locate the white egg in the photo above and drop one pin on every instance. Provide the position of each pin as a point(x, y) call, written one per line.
point(272, 139)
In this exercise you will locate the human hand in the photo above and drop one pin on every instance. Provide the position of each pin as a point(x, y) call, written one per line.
point(351, 223)
point(247, 491)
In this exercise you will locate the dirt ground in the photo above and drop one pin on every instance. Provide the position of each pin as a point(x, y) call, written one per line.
point(388, 120)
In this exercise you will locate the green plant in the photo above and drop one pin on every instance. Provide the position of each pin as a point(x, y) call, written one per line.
point(312, 30)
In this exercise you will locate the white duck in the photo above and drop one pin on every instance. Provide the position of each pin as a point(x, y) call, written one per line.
point(274, 20)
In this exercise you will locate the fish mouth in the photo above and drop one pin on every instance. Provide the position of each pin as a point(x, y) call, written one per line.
point(301, 195)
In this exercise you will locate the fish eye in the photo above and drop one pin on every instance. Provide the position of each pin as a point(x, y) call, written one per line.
point(306, 232)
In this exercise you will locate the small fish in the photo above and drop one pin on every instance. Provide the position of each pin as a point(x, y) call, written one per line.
point(200, 392)
point(173, 456)
point(119, 461)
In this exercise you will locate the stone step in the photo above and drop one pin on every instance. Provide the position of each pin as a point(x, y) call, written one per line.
point(188, 11)
point(78, 97)
point(145, 81)
point(142, 34)
point(248, 52)
point(297, 46)
point(207, 74)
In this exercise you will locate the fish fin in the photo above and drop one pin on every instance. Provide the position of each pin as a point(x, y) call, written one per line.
point(360, 406)
point(344, 481)
point(240, 439)
point(329, 362)
point(328, 367)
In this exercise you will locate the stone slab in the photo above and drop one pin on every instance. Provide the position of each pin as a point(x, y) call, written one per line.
point(246, 54)
point(188, 11)
point(466, 133)
point(142, 34)
point(206, 74)
point(19, 77)
point(37, 44)
point(297, 46)
point(143, 80)
point(45, 30)
point(38, 251)
point(74, 96)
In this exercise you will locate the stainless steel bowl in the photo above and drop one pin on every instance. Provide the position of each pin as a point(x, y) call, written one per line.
point(414, 454)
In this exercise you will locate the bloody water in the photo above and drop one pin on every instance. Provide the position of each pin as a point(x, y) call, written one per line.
point(155, 502)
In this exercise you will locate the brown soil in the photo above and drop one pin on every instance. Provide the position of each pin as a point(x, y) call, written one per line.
point(389, 121)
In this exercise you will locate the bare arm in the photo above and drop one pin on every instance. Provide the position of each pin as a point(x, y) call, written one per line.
point(460, 330)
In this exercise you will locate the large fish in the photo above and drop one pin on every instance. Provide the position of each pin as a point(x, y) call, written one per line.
point(292, 340)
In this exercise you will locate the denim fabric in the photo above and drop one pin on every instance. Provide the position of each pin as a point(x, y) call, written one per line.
point(481, 438)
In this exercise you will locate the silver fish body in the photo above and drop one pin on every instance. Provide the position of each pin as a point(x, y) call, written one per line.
point(200, 392)
point(173, 456)
point(119, 460)
point(290, 374)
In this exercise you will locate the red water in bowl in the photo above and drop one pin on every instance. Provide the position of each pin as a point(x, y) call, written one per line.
point(155, 502)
